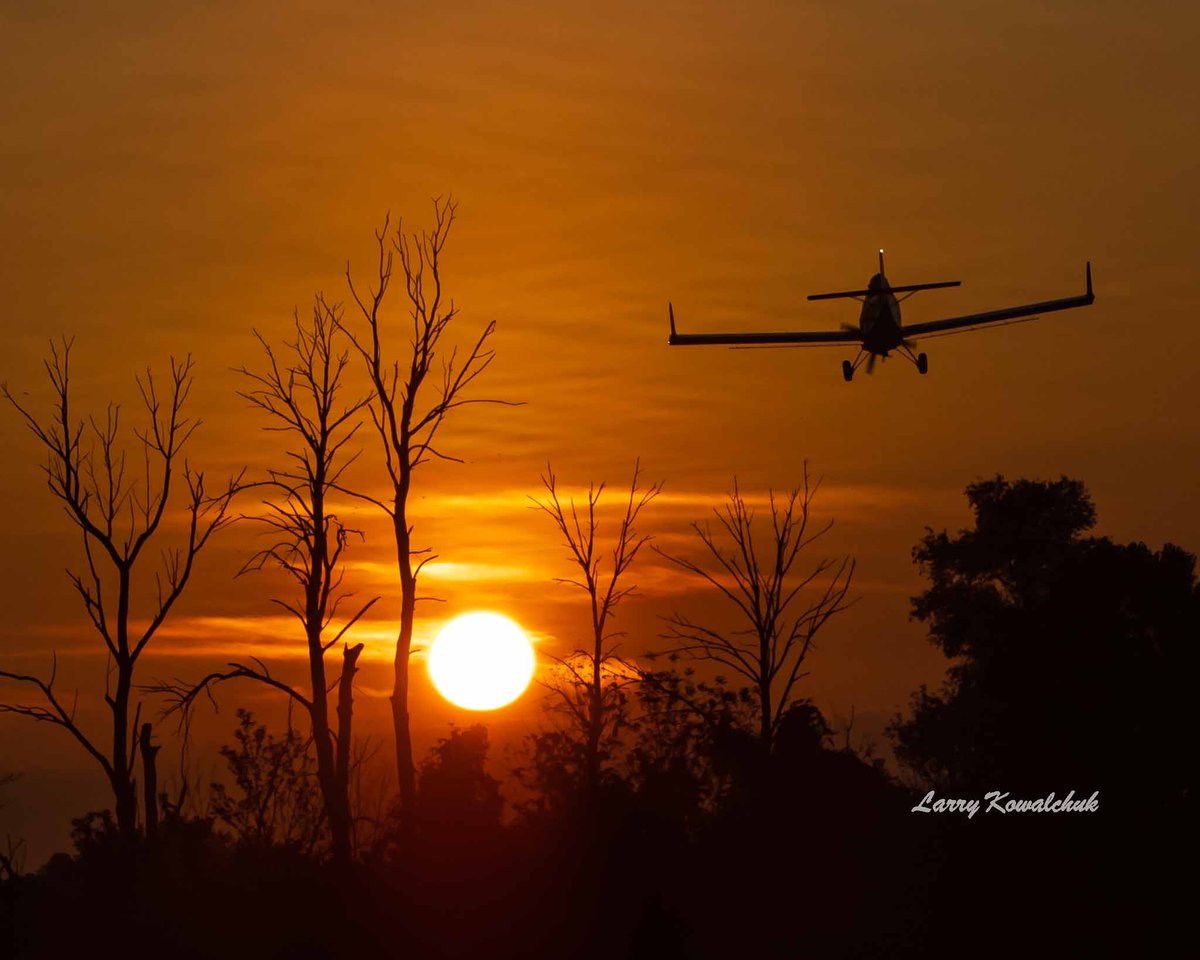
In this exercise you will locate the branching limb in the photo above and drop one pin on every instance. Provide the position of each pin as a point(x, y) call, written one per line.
point(55, 713)
point(775, 604)
point(181, 696)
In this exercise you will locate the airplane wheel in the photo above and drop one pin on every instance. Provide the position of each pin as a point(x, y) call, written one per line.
point(847, 371)
point(922, 363)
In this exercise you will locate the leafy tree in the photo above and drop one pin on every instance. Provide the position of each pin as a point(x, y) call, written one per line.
point(1071, 654)
point(690, 745)
point(278, 799)
point(456, 795)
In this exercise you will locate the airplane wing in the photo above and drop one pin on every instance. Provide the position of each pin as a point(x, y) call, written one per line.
point(817, 338)
point(918, 330)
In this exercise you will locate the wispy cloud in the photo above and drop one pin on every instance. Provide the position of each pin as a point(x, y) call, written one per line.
point(451, 571)
point(830, 499)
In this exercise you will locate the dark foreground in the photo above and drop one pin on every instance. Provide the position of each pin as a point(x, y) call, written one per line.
point(793, 876)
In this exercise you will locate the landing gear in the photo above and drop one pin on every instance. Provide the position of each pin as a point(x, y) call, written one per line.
point(848, 366)
point(920, 361)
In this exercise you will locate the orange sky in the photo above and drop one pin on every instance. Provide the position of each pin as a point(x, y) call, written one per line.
point(174, 178)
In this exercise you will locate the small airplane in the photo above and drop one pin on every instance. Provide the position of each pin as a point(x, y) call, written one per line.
point(879, 331)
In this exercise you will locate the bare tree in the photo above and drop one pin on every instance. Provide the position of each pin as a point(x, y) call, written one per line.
point(410, 403)
point(119, 513)
point(590, 693)
point(781, 608)
point(302, 397)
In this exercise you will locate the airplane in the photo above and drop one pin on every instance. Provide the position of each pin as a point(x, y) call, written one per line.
point(879, 330)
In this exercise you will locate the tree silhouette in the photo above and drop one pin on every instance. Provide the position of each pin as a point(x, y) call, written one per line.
point(410, 403)
point(119, 514)
point(278, 798)
point(457, 797)
point(589, 689)
point(1071, 655)
point(779, 616)
point(301, 392)
point(690, 743)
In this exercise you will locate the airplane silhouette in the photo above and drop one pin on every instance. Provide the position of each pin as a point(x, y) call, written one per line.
point(879, 330)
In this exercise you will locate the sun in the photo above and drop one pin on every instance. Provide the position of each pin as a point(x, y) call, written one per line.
point(481, 661)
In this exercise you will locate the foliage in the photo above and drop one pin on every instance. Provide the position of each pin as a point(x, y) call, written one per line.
point(561, 768)
point(278, 801)
point(1069, 652)
point(691, 742)
point(455, 792)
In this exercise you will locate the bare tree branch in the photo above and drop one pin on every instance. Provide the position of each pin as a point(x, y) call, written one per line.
point(779, 613)
point(590, 693)
point(301, 390)
point(55, 713)
point(411, 398)
point(119, 511)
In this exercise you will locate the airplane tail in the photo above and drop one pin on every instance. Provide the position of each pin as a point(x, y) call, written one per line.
point(904, 288)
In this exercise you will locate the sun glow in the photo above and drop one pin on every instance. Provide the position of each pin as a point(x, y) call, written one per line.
point(481, 661)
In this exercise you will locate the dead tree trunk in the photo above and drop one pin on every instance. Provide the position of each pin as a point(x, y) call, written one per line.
point(149, 781)
point(408, 412)
point(345, 710)
point(302, 395)
point(401, 722)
